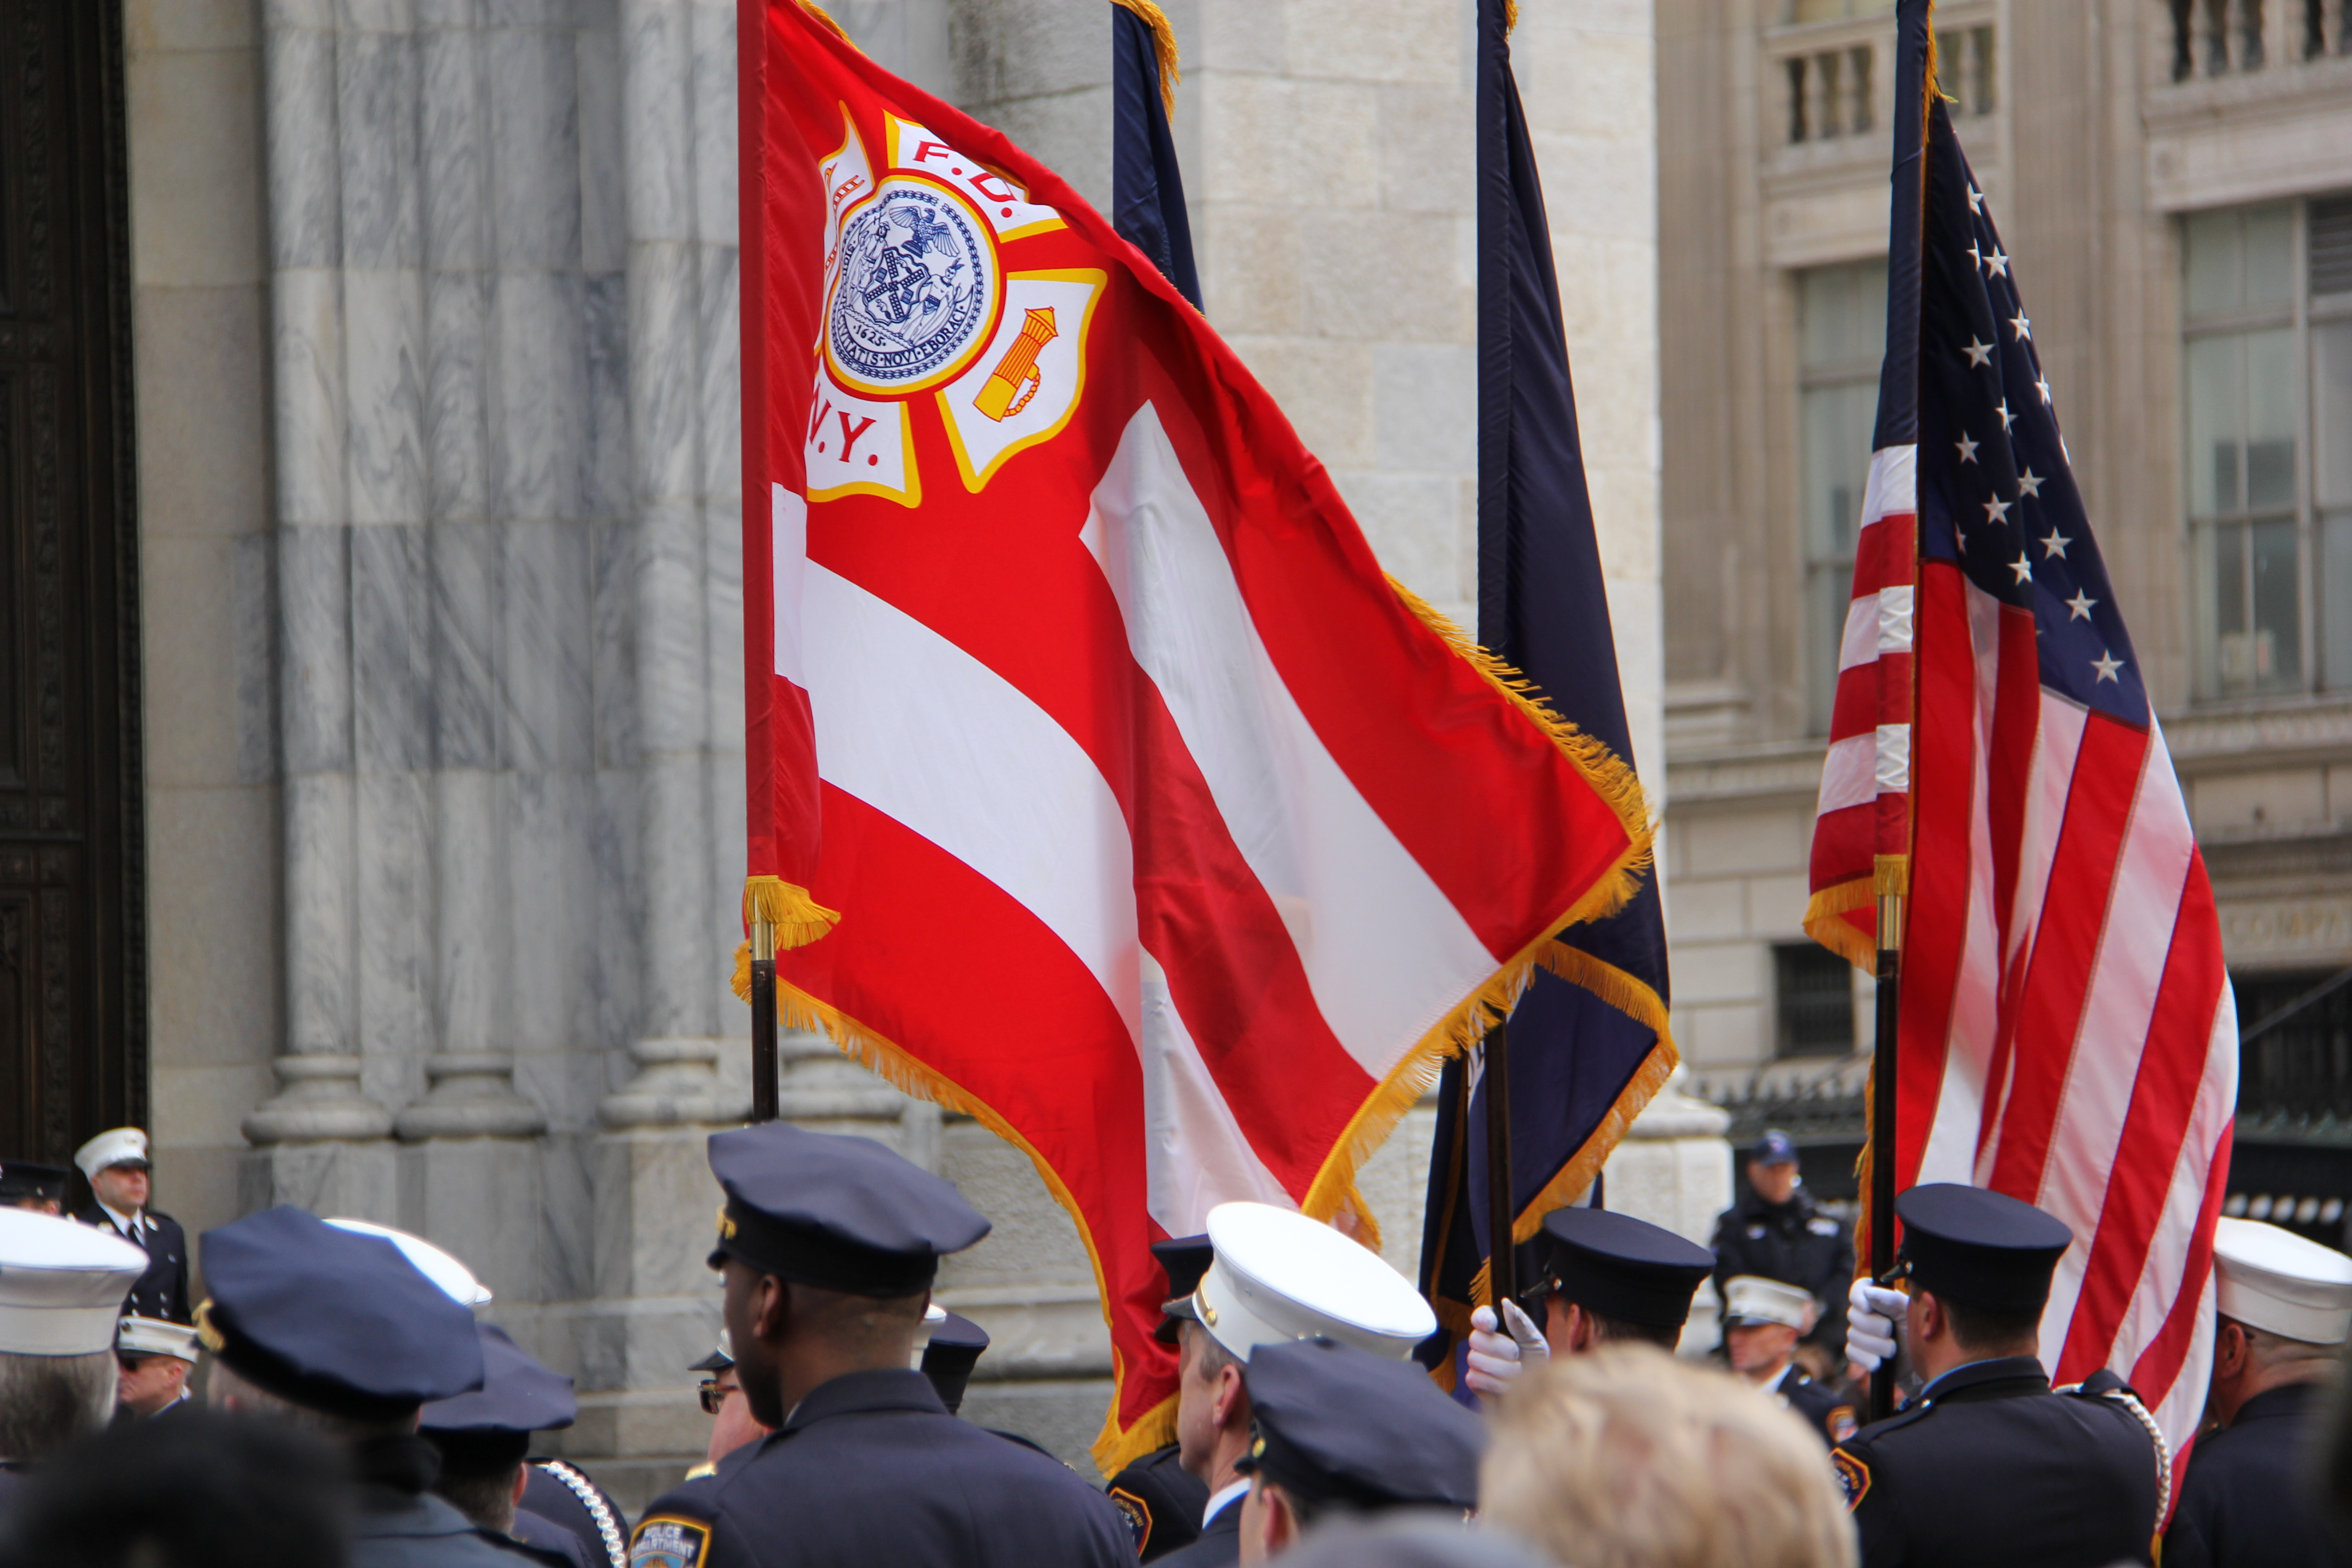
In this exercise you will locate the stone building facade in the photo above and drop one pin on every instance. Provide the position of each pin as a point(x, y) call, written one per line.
point(2170, 182)
point(435, 356)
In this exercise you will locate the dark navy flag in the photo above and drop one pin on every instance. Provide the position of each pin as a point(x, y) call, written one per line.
point(1146, 193)
point(1589, 1042)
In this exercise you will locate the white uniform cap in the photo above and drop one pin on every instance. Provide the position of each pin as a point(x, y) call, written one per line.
point(1279, 1276)
point(2271, 1278)
point(123, 1145)
point(457, 1280)
point(1753, 1299)
point(156, 1336)
point(61, 1284)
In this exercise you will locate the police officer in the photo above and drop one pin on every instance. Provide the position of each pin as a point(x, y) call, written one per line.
point(120, 1177)
point(1273, 1276)
point(1761, 1323)
point(61, 1287)
point(26, 1185)
point(1608, 1277)
point(1163, 1501)
point(1338, 1431)
point(950, 1355)
point(554, 1491)
point(1989, 1464)
point(484, 1438)
point(2284, 1307)
point(340, 1331)
point(1776, 1232)
point(829, 1245)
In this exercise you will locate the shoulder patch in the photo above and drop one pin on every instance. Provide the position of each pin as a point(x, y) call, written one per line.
point(1853, 1474)
point(1842, 1423)
point(666, 1540)
point(1138, 1514)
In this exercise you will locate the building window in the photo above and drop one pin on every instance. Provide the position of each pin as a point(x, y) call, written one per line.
point(2267, 381)
point(1812, 993)
point(1841, 335)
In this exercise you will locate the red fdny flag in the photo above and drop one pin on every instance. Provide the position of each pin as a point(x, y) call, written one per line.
point(2067, 1033)
point(1168, 837)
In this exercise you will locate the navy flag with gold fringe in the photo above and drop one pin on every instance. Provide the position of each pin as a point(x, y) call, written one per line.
point(1588, 1041)
point(1147, 200)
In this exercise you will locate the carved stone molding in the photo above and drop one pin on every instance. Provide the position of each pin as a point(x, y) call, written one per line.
point(473, 1096)
point(320, 1101)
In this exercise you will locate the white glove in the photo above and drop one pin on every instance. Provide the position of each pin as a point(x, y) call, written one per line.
point(1871, 1313)
point(1495, 1358)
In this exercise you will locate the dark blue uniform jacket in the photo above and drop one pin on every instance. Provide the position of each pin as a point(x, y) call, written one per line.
point(871, 1469)
point(1992, 1468)
point(162, 1290)
point(2244, 1503)
point(1219, 1544)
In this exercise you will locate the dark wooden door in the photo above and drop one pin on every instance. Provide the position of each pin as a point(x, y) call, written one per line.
point(73, 956)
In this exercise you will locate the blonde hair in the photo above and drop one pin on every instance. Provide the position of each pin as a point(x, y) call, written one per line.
point(1624, 1457)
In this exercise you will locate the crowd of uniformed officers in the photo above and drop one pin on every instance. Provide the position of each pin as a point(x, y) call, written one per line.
point(356, 1410)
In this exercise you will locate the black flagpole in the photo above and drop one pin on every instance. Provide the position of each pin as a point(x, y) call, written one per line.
point(763, 1021)
point(1881, 1125)
point(1502, 1282)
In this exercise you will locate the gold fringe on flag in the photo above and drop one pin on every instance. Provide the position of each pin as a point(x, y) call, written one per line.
point(1611, 778)
point(799, 920)
point(1826, 923)
point(1164, 44)
point(826, 17)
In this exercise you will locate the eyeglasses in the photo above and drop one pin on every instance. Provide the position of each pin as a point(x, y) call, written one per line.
point(714, 1394)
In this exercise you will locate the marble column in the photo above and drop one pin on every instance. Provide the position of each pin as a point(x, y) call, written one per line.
point(678, 96)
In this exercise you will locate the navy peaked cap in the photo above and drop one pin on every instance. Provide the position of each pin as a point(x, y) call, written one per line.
point(1775, 1147)
point(1624, 1268)
point(332, 1320)
point(954, 1350)
point(1184, 1258)
point(839, 1212)
point(518, 1394)
point(1335, 1424)
point(1979, 1247)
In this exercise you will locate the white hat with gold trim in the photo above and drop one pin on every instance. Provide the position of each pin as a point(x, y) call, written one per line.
point(1750, 1298)
point(117, 1146)
point(2271, 1278)
point(1278, 1276)
point(61, 1284)
point(156, 1336)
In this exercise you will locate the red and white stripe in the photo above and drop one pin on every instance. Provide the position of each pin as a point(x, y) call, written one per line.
point(2067, 1035)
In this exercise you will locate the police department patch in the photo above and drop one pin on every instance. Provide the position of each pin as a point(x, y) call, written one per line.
point(666, 1542)
point(914, 291)
point(1138, 1514)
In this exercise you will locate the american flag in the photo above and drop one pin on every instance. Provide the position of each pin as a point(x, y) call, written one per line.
point(2067, 1033)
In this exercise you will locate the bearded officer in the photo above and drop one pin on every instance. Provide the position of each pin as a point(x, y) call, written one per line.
point(1608, 1277)
point(1338, 1431)
point(1990, 1464)
point(1273, 1276)
point(829, 1245)
point(1162, 1500)
point(2284, 1307)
